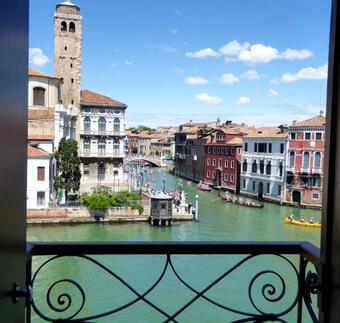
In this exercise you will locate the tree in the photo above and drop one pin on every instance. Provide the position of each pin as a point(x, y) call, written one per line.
point(68, 167)
point(141, 128)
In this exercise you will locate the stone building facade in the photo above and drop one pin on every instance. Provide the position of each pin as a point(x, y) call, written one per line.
point(263, 163)
point(305, 161)
point(190, 143)
point(67, 54)
point(102, 133)
point(48, 119)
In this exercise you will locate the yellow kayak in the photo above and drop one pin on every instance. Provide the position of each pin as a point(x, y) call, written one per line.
point(306, 224)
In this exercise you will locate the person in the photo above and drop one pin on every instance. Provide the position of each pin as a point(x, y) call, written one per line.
point(302, 219)
point(312, 220)
point(291, 217)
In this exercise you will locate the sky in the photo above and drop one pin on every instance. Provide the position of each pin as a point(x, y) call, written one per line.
point(261, 62)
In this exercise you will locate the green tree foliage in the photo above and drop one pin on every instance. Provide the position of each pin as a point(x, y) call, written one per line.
point(103, 198)
point(68, 167)
point(141, 128)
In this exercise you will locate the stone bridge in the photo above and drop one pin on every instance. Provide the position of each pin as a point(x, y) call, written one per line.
point(152, 160)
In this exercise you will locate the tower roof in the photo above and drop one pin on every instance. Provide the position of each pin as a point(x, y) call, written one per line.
point(68, 3)
point(96, 99)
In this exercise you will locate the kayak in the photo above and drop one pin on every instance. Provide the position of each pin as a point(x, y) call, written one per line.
point(306, 224)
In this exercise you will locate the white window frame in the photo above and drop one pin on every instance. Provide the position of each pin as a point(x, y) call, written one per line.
point(232, 164)
point(208, 174)
point(214, 162)
point(208, 162)
point(316, 198)
point(231, 178)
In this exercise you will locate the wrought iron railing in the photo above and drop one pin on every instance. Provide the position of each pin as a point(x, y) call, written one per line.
point(297, 283)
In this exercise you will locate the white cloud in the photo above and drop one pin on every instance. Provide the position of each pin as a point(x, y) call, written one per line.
point(258, 53)
point(179, 70)
point(251, 75)
point(203, 53)
point(229, 79)
point(273, 92)
point(307, 73)
point(192, 80)
point(127, 62)
point(206, 98)
point(243, 100)
point(37, 57)
point(173, 31)
point(116, 50)
point(292, 54)
point(233, 48)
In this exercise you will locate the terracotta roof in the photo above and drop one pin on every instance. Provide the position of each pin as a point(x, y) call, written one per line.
point(36, 152)
point(34, 72)
point(267, 132)
point(40, 113)
point(235, 141)
point(318, 121)
point(92, 98)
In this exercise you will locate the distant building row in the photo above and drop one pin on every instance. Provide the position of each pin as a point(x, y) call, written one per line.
point(281, 164)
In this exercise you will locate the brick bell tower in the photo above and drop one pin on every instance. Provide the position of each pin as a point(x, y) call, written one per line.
point(67, 55)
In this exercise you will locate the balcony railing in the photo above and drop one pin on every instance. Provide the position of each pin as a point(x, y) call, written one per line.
point(101, 154)
point(277, 280)
point(102, 133)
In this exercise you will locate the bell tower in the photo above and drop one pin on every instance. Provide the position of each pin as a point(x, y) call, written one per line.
point(67, 54)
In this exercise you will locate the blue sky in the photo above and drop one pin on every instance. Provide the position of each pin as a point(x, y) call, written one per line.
point(262, 62)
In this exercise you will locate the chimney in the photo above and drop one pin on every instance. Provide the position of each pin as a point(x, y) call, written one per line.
point(228, 122)
point(294, 121)
point(321, 113)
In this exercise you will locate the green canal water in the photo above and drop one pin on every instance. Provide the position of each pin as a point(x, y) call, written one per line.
point(217, 221)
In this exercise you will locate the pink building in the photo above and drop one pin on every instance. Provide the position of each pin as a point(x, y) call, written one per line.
point(305, 160)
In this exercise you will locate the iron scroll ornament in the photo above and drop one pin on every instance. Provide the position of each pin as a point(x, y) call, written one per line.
point(269, 291)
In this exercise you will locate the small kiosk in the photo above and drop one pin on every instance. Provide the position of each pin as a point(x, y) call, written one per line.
point(160, 209)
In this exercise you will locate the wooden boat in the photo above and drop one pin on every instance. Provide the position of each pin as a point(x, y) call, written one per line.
point(238, 200)
point(203, 187)
point(306, 223)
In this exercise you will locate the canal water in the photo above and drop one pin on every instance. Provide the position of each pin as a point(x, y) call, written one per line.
point(217, 221)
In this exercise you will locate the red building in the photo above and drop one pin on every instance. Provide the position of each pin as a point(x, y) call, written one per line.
point(223, 154)
point(305, 160)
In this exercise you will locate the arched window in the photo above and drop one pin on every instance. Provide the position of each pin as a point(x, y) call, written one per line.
point(269, 168)
point(101, 147)
point(87, 124)
point(115, 146)
point(306, 159)
point(101, 172)
point(245, 165)
point(63, 26)
point(291, 158)
point(87, 147)
point(261, 166)
point(254, 167)
point(102, 125)
point(72, 27)
point(116, 125)
point(39, 96)
point(317, 160)
point(280, 169)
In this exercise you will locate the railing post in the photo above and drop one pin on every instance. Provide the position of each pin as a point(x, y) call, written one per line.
point(28, 286)
point(302, 274)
